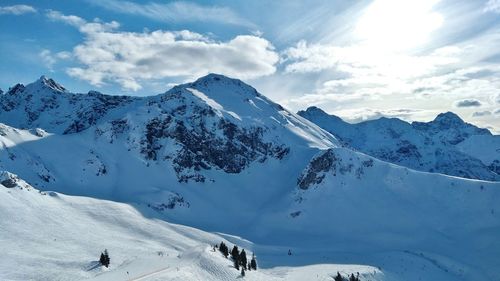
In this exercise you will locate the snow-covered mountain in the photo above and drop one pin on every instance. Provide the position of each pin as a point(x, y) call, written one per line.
point(217, 155)
point(445, 145)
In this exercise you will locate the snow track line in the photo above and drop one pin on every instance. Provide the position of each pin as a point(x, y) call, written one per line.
point(141, 277)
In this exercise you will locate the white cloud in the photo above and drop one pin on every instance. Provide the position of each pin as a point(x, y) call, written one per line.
point(71, 19)
point(47, 59)
point(460, 70)
point(17, 10)
point(176, 11)
point(365, 114)
point(129, 58)
point(492, 6)
point(64, 55)
point(468, 103)
point(481, 113)
point(365, 61)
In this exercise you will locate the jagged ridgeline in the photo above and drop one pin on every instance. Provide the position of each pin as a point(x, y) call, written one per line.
point(446, 145)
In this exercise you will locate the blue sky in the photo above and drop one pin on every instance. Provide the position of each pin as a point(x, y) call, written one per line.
point(357, 59)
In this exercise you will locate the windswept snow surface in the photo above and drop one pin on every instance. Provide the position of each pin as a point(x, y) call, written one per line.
point(51, 236)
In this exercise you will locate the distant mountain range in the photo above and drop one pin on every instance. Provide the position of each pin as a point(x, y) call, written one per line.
point(445, 145)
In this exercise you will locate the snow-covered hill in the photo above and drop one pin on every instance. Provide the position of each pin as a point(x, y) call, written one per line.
point(217, 155)
point(445, 145)
point(51, 236)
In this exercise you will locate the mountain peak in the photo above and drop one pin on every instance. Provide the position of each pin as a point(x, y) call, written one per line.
point(316, 110)
point(45, 82)
point(448, 117)
point(215, 77)
point(221, 88)
point(315, 113)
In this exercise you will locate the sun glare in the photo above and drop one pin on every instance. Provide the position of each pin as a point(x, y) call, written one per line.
point(395, 25)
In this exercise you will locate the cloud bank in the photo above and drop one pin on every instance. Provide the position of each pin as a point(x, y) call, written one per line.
point(129, 58)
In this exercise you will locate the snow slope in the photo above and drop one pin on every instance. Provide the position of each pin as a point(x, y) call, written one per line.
point(445, 145)
point(50, 236)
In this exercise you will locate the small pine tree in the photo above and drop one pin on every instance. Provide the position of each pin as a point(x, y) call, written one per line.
point(253, 263)
point(338, 277)
point(249, 266)
point(242, 272)
point(243, 258)
point(104, 259)
point(352, 278)
point(106, 255)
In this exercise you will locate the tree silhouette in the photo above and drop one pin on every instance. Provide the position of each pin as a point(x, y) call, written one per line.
point(104, 259)
point(253, 263)
point(243, 258)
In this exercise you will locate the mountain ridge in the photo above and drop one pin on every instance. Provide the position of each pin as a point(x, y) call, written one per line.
point(219, 157)
point(440, 145)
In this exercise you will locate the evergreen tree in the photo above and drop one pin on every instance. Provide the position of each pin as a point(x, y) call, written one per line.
point(223, 249)
point(107, 259)
point(352, 278)
point(235, 254)
point(242, 272)
point(236, 264)
point(253, 263)
point(338, 277)
point(104, 259)
point(243, 258)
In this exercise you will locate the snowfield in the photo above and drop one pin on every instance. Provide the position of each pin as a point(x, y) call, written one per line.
point(51, 236)
point(158, 180)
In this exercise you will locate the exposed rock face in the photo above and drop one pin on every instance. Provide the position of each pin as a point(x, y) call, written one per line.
point(99, 106)
point(174, 201)
point(9, 180)
point(9, 183)
point(315, 172)
point(329, 162)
